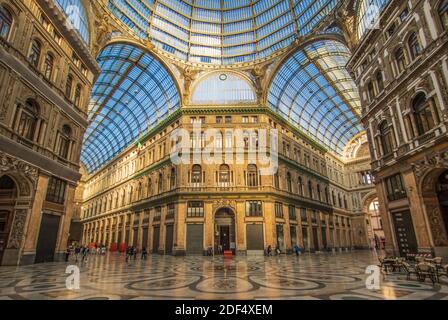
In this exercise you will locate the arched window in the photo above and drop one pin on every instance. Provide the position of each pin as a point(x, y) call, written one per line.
point(386, 138)
point(64, 142)
point(5, 23)
point(224, 175)
point(414, 46)
point(196, 174)
point(77, 100)
point(371, 91)
point(340, 200)
point(319, 196)
point(48, 66)
point(252, 175)
point(443, 14)
point(333, 198)
point(35, 51)
point(149, 187)
point(423, 114)
point(27, 120)
point(400, 60)
point(69, 86)
point(160, 183)
point(380, 81)
point(289, 182)
point(300, 186)
point(310, 189)
point(276, 181)
point(173, 178)
point(327, 200)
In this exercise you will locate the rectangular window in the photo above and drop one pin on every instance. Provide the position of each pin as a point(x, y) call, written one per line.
point(254, 209)
point(303, 215)
point(218, 119)
point(278, 210)
point(195, 209)
point(395, 188)
point(171, 209)
point(157, 213)
point(228, 119)
point(56, 190)
point(292, 212)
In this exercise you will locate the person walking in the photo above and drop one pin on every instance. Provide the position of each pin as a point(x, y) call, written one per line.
point(144, 253)
point(128, 253)
point(134, 252)
point(297, 250)
point(77, 252)
point(269, 251)
point(67, 254)
point(85, 254)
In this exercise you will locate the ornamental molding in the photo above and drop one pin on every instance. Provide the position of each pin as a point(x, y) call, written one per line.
point(224, 203)
point(18, 227)
point(435, 161)
point(19, 168)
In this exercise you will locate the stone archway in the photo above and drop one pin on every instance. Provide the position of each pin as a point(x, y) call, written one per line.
point(433, 208)
point(15, 201)
point(224, 230)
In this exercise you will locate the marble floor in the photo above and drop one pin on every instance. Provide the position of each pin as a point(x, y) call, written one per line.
point(317, 276)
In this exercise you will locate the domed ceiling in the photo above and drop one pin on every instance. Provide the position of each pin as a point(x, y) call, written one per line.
point(222, 32)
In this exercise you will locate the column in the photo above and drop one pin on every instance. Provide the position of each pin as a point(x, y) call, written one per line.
point(286, 229)
point(240, 227)
point(64, 227)
point(270, 225)
point(179, 229)
point(416, 206)
point(140, 230)
point(209, 226)
point(131, 231)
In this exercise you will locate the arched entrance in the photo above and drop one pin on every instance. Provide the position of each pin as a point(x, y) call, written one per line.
point(8, 196)
point(442, 194)
point(225, 231)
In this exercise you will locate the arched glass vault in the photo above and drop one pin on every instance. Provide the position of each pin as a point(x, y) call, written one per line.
point(313, 90)
point(133, 93)
point(221, 31)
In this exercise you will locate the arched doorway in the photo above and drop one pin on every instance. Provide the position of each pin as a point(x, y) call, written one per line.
point(442, 194)
point(375, 223)
point(8, 196)
point(225, 231)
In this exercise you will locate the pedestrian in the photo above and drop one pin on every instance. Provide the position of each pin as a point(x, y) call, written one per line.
point(134, 252)
point(144, 253)
point(128, 253)
point(297, 250)
point(77, 252)
point(85, 254)
point(67, 254)
point(277, 251)
point(269, 251)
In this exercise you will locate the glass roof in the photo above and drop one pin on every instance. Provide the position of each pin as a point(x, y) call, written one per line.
point(133, 93)
point(221, 31)
point(368, 14)
point(314, 91)
point(222, 89)
point(76, 14)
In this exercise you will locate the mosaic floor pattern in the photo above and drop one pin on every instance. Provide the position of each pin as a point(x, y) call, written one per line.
point(318, 276)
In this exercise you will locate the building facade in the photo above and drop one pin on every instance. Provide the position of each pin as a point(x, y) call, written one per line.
point(46, 74)
point(402, 72)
